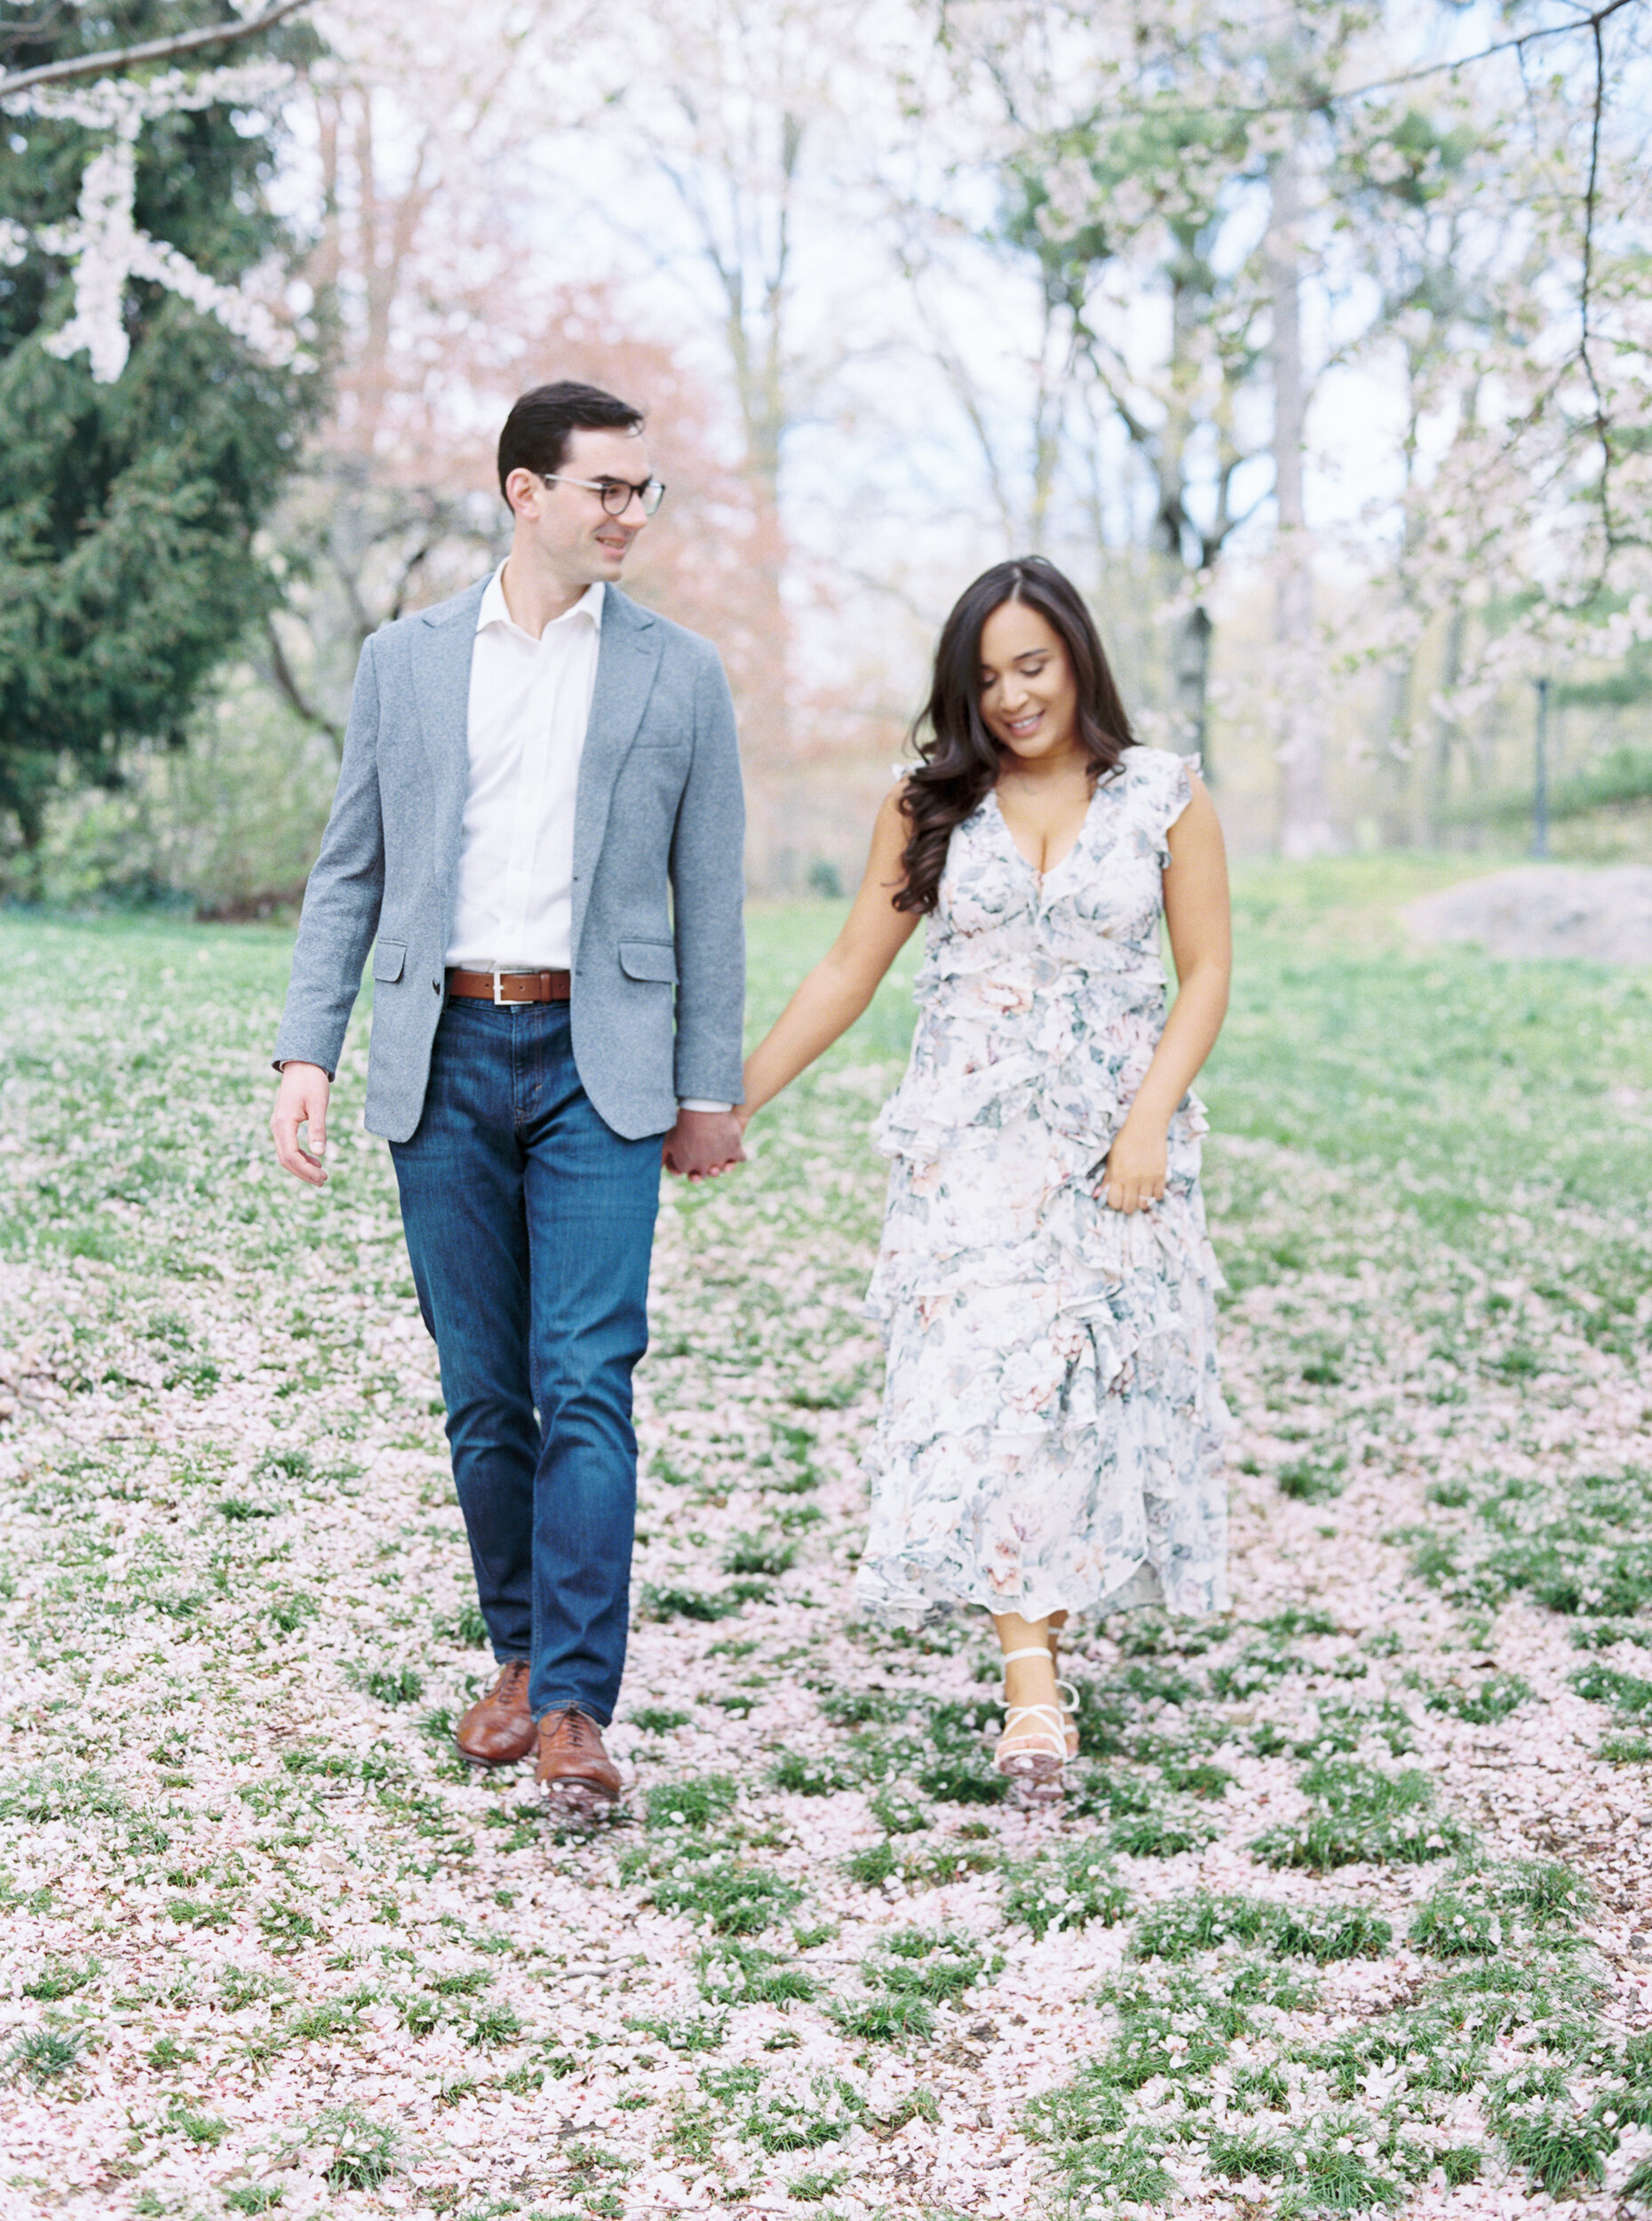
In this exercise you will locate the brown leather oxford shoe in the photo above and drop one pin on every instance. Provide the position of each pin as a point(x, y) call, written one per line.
point(499, 1730)
point(577, 1779)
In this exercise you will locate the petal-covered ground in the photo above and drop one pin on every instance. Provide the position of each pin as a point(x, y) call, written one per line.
point(1346, 1908)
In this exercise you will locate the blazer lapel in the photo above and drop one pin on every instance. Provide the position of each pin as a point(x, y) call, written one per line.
point(442, 649)
point(626, 663)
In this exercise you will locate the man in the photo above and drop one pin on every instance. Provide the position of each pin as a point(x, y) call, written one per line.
point(539, 816)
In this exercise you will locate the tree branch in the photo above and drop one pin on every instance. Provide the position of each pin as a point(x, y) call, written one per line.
point(29, 34)
point(112, 58)
point(1603, 428)
point(1590, 22)
point(287, 683)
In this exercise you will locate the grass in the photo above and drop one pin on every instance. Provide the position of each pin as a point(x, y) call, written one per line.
point(1558, 2153)
point(806, 1777)
point(1448, 1925)
point(1191, 1992)
point(61, 1978)
point(737, 1974)
point(827, 2109)
point(938, 1967)
point(729, 1898)
point(1068, 1888)
point(46, 2053)
point(230, 1505)
point(1628, 1694)
point(1160, 1834)
point(1343, 1037)
point(759, 1554)
point(1183, 1927)
point(1360, 1815)
point(356, 2152)
point(687, 1802)
point(388, 1684)
point(881, 2019)
point(253, 2197)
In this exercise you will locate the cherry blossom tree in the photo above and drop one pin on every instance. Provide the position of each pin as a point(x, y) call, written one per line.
point(1502, 211)
point(1182, 182)
point(1141, 151)
point(426, 145)
point(737, 110)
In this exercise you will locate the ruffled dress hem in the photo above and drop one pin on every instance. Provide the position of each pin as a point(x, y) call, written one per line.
point(897, 1594)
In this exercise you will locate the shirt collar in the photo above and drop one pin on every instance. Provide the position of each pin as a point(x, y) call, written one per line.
point(495, 611)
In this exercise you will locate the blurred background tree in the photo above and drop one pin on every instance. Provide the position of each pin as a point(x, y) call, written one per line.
point(1315, 343)
point(131, 490)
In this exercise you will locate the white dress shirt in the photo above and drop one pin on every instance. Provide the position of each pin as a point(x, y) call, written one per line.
point(529, 706)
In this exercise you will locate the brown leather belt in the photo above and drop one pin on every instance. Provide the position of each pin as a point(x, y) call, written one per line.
point(508, 987)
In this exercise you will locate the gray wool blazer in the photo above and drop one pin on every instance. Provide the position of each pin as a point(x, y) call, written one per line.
point(658, 945)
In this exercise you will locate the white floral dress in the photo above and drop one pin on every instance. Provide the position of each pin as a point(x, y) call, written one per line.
point(1051, 1424)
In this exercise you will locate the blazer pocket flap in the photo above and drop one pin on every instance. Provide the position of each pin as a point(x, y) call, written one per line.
point(388, 959)
point(647, 960)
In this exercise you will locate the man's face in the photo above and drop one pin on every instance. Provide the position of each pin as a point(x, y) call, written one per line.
point(567, 529)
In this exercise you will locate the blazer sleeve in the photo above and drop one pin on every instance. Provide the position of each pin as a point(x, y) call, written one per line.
point(342, 899)
point(708, 891)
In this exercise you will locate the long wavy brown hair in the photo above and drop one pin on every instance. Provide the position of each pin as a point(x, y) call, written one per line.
point(959, 759)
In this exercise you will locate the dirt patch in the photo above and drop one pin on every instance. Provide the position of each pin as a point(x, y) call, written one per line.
point(1602, 916)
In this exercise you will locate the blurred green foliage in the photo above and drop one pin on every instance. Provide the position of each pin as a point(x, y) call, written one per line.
point(129, 510)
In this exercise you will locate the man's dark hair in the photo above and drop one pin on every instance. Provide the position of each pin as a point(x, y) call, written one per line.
point(535, 433)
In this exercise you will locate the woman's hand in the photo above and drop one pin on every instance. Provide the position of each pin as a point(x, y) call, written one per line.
point(1133, 1177)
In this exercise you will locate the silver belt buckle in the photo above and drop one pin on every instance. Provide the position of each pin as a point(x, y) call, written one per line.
point(508, 1002)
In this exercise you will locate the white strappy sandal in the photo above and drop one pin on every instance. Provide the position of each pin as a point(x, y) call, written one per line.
point(1068, 1695)
point(1069, 1708)
point(1037, 1754)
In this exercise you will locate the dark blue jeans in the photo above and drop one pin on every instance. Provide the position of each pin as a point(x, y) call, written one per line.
point(529, 1224)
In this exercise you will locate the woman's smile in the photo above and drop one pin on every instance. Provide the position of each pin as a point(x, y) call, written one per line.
point(1028, 700)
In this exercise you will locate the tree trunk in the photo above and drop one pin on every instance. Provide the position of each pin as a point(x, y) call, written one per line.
point(1400, 805)
point(1304, 820)
point(1190, 673)
point(1191, 642)
point(1445, 730)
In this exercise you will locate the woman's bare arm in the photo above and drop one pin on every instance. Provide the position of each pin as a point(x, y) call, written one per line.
point(844, 981)
point(1201, 934)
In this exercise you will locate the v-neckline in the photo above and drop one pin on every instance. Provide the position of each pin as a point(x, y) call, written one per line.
point(1047, 871)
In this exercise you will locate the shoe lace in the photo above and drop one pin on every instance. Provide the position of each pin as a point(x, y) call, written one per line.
point(573, 1727)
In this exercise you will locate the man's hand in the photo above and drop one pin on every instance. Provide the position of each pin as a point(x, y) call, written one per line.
point(301, 1100)
point(703, 1143)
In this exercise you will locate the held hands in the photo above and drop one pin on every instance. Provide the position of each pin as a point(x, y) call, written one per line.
point(1133, 1176)
point(302, 1100)
point(703, 1143)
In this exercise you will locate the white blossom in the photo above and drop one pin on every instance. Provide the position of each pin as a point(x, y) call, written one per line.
point(103, 240)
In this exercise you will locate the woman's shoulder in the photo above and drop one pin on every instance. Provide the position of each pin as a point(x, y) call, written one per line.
point(1159, 781)
point(1162, 765)
point(1157, 786)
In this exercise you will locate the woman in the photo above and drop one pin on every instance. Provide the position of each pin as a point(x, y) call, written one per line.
point(1051, 1428)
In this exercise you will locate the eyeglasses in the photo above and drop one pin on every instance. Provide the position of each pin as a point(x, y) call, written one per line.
point(617, 494)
